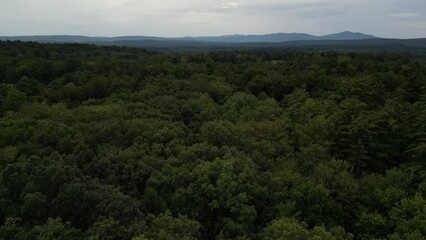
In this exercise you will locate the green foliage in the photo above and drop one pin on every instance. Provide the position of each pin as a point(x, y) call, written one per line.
point(8, 155)
point(122, 143)
point(289, 228)
point(409, 218)
point(54, 229)
point(166, 227)
point(223, 193)
point(13, 99)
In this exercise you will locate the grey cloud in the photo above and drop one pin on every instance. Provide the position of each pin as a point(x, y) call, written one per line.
point(323, 14)
point(404, 15)
point(288, 5)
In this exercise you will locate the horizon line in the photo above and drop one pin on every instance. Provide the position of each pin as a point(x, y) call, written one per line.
point(184, 36)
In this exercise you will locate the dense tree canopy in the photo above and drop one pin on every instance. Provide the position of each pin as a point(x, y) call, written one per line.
point(122, 143)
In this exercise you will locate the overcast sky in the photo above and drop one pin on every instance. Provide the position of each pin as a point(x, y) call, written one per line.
point(384, 18)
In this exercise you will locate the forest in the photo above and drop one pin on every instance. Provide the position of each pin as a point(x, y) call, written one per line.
point(110, 143)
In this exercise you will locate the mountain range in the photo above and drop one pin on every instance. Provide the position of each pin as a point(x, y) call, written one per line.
point(346, 41)
point(267, 38)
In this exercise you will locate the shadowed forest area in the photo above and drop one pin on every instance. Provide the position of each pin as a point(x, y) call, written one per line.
point(124, 143)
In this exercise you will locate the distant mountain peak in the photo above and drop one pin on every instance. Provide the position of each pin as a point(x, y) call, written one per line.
point(347, 35)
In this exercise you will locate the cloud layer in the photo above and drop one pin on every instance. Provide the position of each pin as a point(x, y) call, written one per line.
point(386, 18)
